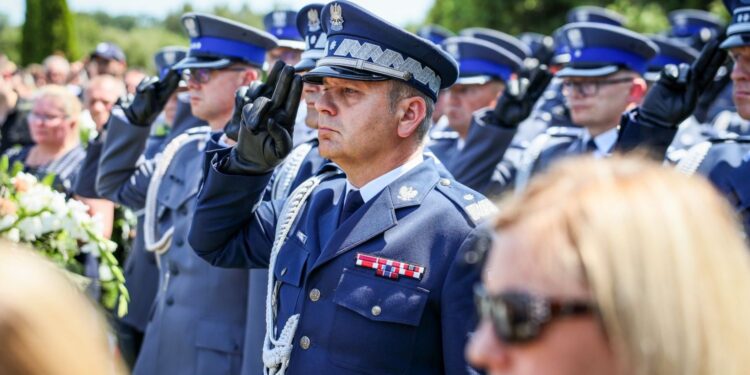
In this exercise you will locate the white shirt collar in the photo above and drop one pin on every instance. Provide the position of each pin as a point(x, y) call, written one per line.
point(605, 142)
point(372, 188)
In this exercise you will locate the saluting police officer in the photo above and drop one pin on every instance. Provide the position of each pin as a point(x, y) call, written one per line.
point(364, 278)
point(303, 162)
point(198, 320)
point(603, 78)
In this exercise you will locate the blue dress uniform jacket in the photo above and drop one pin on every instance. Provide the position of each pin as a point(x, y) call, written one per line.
point(485, 146)
point(734, 183)
point(124, 172)
point(252, 361)
point(353, 321)
point(197, 320)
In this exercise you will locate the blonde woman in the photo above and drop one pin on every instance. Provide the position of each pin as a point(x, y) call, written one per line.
point(47, 326)
point(615, 267)
point(53, 123)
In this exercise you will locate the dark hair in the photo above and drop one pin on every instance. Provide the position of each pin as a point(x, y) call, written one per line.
point(401, 90)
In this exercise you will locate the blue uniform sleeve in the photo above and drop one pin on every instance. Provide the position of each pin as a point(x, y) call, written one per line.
point(485, 146)
point(122, 177)
point(634, 134)
point(231, 228)
point(459, 317)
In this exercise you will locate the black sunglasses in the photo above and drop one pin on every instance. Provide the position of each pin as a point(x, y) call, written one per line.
point(519, 317)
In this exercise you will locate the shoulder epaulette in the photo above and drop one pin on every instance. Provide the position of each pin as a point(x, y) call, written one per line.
point(475, 205)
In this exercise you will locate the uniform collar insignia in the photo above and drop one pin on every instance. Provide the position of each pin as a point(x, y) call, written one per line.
point(407, 193)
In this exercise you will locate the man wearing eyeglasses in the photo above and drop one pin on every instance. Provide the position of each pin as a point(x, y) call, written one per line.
point(197, 322)
point(603, 78)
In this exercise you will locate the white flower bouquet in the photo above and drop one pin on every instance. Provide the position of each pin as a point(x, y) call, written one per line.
point(59, 228)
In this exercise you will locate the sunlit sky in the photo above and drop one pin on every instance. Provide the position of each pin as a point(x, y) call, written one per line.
point(400, 12)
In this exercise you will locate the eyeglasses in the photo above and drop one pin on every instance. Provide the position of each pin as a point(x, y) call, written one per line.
point(591, 88)
point(33, 117)
point(519, 317)
point(203, 75)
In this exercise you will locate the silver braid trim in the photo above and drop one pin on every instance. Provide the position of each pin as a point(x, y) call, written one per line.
point(690, 163)
point(283, 182)
point(152, 242)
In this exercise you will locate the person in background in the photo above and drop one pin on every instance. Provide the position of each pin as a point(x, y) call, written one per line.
point(132, 78)
point(626, 279)
point(47, 326)
point(56, 69)
point(14, 128)
point(282, 25)
point(107, 58)
point(53, 122)
point(99, 96)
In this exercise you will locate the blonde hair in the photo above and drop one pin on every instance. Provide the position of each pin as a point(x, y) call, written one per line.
point(662, 254)
point(47, 327)
point(69, 102)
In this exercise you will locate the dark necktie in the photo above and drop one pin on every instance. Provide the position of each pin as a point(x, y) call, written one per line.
point(351, 204)
point(590, 146)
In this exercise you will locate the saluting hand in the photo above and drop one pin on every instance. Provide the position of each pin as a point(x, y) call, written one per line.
point(518, 99)
point(675, 95)
point(151, 96)
point(247, 94)
point(266, 126)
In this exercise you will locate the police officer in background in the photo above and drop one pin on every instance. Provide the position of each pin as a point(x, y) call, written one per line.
point(198, 319)
point(141, 274)
point(360, 281)
point(603, 78)
point(484, 70)
point(282, 24)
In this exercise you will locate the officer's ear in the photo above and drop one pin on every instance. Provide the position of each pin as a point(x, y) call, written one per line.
point(411, 112)
point(638, 90)
point(249, 75)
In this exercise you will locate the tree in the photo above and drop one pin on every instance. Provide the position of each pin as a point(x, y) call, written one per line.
point(544, 16)
point(31, 49)
point(47, 29)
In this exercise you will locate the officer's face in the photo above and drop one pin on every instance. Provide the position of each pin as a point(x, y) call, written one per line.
point(463, 100)
point(355, 125)
point(212, 99)
point(287, 55)
point(573, 345)
point(741, 79)
point(311, 93)
point(596, 103)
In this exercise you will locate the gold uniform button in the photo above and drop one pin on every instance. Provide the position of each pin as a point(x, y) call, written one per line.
point(304, 342)
point(314, 295)
point(376, 310)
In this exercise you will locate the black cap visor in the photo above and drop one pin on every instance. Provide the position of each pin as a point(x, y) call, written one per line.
point(316, 75)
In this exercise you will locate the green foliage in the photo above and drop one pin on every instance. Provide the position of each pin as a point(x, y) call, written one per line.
point(10, 39)
point(31, 49)
point(544, 16)
point(48, 29)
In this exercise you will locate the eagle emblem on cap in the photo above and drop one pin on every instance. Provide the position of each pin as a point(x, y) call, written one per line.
point(575, 38)
point(279, 19)
point(191, 27)
point(169, 57)
point(453, 50)
point(313, 20)
point(337, 19)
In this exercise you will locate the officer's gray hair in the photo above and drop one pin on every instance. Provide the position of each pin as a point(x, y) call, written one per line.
point(401, 90)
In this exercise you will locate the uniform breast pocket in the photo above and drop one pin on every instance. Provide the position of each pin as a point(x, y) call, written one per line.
point(288, 272)
point(218, 348)
point(375, 323)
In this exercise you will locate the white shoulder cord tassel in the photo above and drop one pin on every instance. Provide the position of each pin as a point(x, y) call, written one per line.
point(161, 245)
point(278, 351)
point(288, 171)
